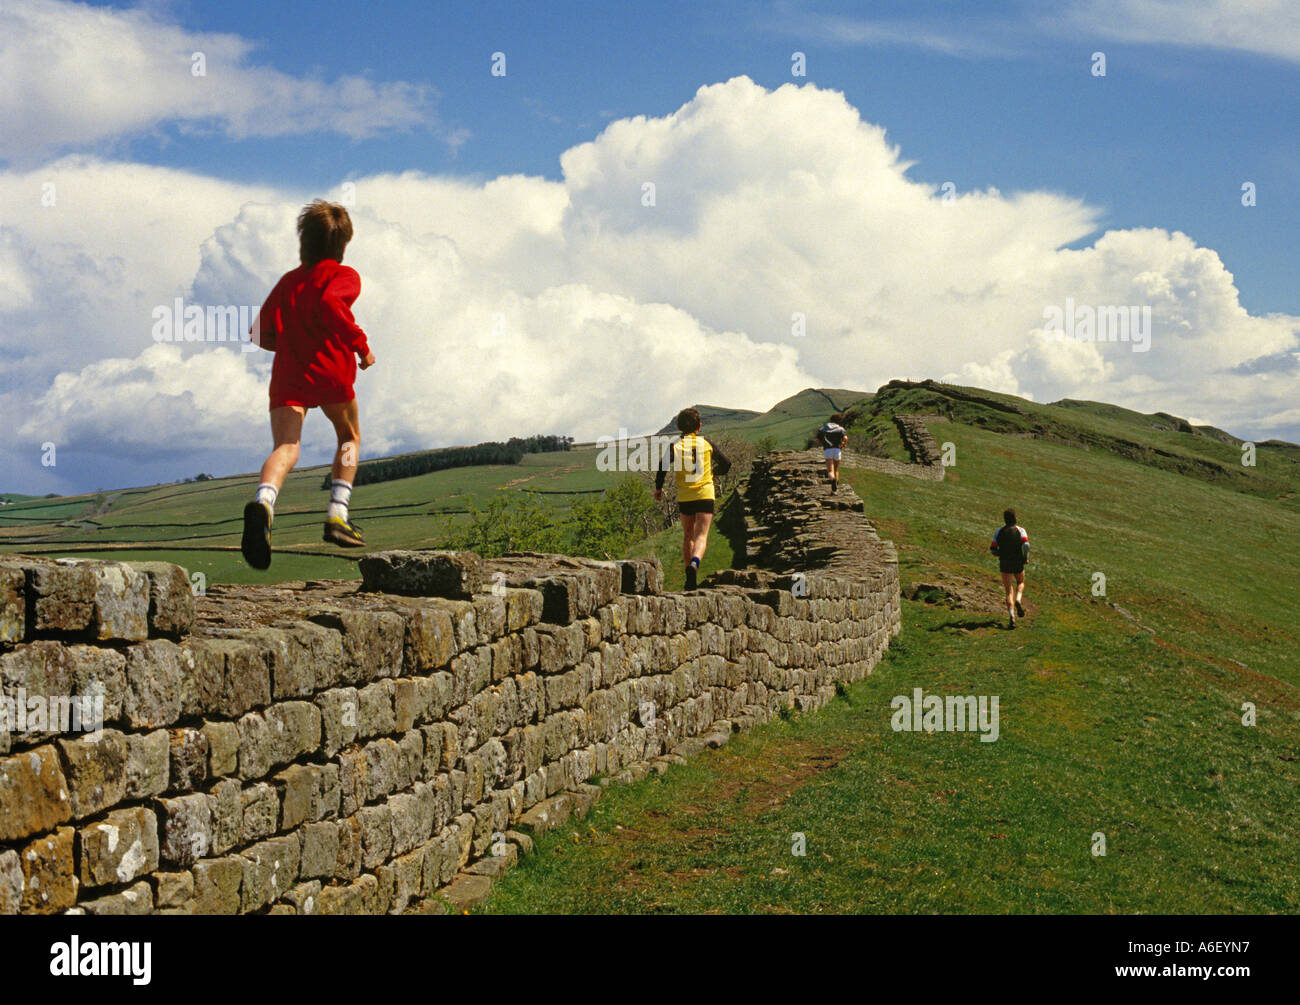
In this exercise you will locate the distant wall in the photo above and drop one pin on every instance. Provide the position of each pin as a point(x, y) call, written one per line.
point(888, 466)
point(315, 748)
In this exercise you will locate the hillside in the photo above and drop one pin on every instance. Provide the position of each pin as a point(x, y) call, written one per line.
point(1159, 441)
point(785, 426)
point(1122, 714)
point(197, 524)
point(1162, 600)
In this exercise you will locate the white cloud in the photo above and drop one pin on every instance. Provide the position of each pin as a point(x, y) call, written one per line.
point(1266, 27)
point(522, 305)
point(938, 34)
point(76, 74)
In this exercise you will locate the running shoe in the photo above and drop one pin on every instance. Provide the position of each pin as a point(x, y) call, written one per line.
point(256, 544)
point(344, 533)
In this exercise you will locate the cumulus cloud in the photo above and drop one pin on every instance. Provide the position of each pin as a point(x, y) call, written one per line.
point(583, 305)
point(76, 74)
point(161, 400)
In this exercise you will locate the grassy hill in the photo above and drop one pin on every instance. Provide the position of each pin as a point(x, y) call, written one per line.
point(787, 425)
point(198, 525)
point(1121, 714)
point(1159, 441)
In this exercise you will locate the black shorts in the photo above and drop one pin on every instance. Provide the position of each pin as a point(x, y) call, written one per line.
point(693, 506)
point(1012, 568)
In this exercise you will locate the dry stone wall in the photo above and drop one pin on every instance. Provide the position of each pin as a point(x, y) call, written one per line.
point(319, 748)
point(918, 441)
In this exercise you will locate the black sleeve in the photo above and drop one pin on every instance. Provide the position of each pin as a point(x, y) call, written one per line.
point(820, 437)
point(665, 462)
point(721, 465)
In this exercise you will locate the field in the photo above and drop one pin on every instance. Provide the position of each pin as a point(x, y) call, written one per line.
point(1129, 727)
point(198, 525)
point(1163, 602)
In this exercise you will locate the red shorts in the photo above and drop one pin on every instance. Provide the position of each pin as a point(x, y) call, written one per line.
point(300, 400)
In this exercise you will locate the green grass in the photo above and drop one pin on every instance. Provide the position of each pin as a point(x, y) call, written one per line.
point(1104, 727)
point(1100, 732)
point(667, 547)
point(197, 525)
point(788, 424)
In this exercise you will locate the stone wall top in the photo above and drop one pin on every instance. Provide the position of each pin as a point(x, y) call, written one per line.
point(343, 747)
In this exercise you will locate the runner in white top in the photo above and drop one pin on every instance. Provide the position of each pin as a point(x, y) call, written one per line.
point(834, 438)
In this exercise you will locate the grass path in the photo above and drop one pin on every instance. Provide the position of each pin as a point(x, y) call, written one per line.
point(1105, 728)
point(1197, 810)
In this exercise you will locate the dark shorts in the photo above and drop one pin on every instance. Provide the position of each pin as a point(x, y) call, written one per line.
point(693, 506)
point(1012, 568)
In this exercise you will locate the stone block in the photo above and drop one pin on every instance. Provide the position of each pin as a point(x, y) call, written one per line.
point(34, 794)
point(466, 892)
point(372, 643)
point(173, 889)
point(216, 885)
point(148, 763)
point(319, 850)
point(261, 812)
point(11, 882)
point(171, 598)
point(226, 801)
point(270, 869)
point(96, 772)
point(188, 757)
point(108, 601)
point(223, 748)
point(119, 848)
point(155, 679)
point(422, 573)
point(137, 899)
point(49, 879)
point(186, 829)
point(13, 605)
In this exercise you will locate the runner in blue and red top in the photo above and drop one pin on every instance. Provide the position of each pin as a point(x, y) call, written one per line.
point(1011, 545)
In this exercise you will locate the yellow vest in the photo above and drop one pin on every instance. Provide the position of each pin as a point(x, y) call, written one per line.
point(692, 461)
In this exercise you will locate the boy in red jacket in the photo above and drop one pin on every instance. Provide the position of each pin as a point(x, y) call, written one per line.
point(307, 322)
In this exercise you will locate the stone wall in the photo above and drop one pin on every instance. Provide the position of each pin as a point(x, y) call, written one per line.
point(889, 466)
point(323, 748)
point(918, 441)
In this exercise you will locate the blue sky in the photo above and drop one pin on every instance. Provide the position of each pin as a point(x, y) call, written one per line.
point(516, 280)
point(1165, 139)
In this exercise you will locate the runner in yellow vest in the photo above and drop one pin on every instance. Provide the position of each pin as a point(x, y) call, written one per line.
point(696, 461)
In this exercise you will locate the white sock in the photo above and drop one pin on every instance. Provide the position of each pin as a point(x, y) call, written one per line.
point(340, 496)
point(267, 493)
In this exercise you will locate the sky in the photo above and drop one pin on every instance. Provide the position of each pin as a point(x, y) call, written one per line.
point(578, 218)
